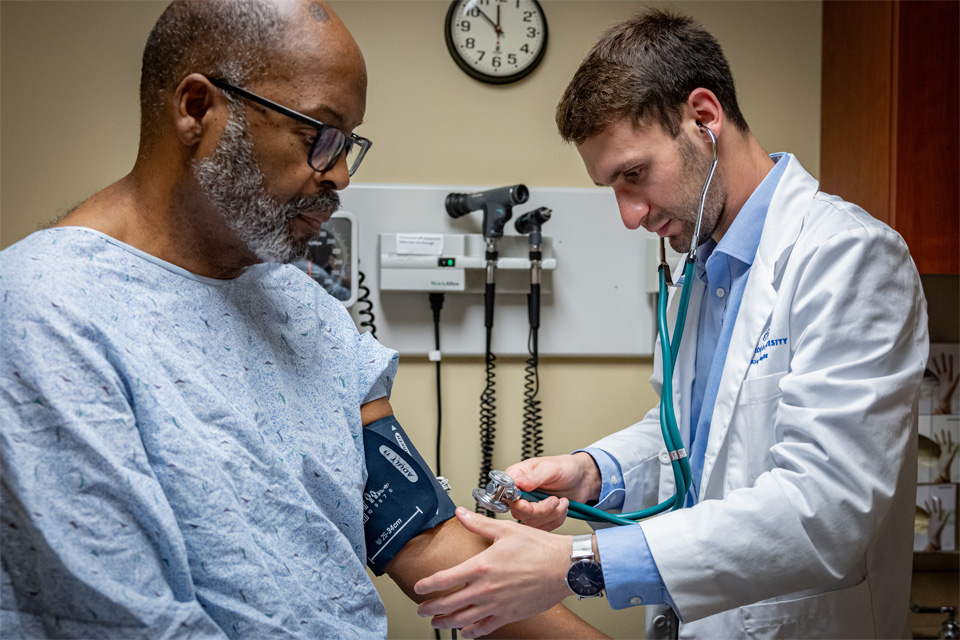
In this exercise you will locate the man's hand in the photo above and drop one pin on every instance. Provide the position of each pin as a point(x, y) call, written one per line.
point(569, 476)
point(519, 575)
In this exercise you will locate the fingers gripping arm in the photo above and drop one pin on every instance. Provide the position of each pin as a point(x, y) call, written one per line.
point(520, 574)
point(447, 544)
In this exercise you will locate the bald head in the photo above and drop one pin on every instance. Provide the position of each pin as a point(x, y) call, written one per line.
point(242, 42)
point(316, 43)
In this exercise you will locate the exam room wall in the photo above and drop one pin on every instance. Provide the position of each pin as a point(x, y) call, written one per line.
point(69, 126)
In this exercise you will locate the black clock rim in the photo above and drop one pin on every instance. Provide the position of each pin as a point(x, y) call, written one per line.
point(479, 75)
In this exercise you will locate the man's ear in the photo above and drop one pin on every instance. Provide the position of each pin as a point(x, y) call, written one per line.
point(194, 98)
point(703, 106)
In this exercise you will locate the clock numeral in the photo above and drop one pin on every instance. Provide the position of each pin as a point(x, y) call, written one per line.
point(465, 25)
point(481, 55)
point(470, 43)
point(473, 13)
point(525, 48)
point(495, 62)
point(512, 58)
point(531, 32)
point(527, 15)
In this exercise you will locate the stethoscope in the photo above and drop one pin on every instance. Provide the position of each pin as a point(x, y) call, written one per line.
point(502, 488)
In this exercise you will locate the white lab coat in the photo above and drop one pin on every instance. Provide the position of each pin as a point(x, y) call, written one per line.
point(804, 526)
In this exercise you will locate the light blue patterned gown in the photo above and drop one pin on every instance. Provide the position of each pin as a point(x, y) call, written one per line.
point(181, 456)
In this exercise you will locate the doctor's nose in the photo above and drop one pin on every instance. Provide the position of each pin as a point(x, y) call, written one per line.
point(633, 210)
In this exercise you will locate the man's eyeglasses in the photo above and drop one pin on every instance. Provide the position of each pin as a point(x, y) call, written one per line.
point(330, 142)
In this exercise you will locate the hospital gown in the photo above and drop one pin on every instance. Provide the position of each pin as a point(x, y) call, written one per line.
point(181, 456)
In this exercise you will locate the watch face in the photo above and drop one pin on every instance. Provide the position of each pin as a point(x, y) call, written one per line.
point(585, 577)
point(496, 41)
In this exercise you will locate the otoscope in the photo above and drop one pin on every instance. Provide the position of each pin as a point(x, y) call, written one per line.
point(530, 224)
point(497, 206)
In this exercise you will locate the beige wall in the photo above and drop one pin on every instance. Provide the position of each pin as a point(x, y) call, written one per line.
point(68, 125)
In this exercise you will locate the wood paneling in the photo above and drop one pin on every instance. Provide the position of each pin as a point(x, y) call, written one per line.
point(890, 140)
point(856, 104)
point(927, 202)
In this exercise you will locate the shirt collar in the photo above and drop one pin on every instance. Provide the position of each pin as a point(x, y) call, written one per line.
point(743, 237)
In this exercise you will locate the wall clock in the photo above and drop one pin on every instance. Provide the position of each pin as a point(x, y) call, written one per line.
point(496, 41)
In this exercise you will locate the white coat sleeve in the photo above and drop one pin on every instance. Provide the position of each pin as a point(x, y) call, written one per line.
point(843, 426)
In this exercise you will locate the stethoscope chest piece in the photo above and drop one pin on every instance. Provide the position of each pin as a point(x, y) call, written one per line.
point(500, 488)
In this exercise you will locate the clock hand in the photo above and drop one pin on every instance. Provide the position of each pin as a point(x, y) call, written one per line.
point(487, 18)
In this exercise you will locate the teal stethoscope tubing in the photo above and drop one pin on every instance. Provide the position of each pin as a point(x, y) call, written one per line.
point(668, 418)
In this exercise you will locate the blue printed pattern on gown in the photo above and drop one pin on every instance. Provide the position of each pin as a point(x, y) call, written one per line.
point(181, 456)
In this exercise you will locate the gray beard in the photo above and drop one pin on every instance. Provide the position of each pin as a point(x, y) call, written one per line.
point(231, 179)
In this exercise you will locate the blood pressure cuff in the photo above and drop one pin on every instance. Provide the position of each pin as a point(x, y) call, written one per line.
point(402, 498)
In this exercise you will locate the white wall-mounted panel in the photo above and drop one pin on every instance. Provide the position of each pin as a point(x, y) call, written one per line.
point(594, 301)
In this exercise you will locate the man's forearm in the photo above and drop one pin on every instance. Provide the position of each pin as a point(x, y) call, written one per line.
point(450, 544)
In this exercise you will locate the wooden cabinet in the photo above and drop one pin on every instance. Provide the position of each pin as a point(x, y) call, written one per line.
point(890, 139)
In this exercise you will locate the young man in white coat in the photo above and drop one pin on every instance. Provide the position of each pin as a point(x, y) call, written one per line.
point(795, 388)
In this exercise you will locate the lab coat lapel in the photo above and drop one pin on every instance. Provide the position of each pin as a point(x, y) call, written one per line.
point(780, 231)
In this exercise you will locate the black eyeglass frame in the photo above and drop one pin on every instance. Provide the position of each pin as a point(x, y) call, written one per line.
point(348, 140)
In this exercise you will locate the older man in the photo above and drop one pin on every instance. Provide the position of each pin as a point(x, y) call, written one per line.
point(182, 440)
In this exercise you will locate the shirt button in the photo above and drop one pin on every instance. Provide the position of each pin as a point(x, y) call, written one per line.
point(613, 479)
point(721, 293)
point(635, 600)
point(664, 456)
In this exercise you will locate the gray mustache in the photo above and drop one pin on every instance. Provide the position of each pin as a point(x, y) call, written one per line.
point(326, 201)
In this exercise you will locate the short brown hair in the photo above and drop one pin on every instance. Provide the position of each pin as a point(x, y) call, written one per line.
point(645, 68)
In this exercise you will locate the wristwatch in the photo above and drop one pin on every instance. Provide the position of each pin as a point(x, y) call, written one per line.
point(584, 577)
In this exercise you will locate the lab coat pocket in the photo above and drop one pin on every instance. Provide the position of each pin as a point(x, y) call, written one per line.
point(835, 614)
point(750, 442)
point(757, 390)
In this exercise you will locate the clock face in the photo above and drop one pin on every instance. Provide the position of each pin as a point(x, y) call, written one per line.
point(496, 41)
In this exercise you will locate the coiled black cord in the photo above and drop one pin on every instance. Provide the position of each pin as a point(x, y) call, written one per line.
point(488, 418)
point(436, 304)
point(532, 421)
point(365, 312)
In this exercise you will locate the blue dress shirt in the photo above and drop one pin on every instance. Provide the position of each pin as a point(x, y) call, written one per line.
point(723, 267)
